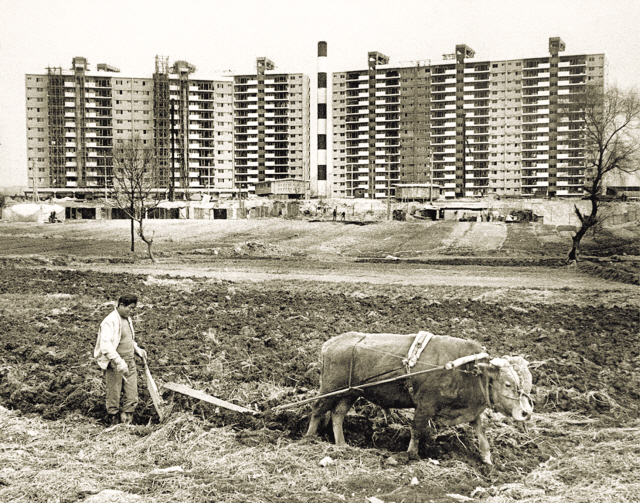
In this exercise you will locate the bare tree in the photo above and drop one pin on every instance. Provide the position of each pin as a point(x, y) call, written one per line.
point(610, 122)
point(134, 180)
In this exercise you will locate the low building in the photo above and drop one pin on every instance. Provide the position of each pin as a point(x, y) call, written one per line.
point(417, 191)
point(287, 188)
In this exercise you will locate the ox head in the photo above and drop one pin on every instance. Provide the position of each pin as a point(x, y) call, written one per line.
point(508, 382)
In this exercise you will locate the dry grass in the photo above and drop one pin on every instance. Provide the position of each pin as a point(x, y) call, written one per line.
point(67, 461)
point(64, 461)
point(587, 462)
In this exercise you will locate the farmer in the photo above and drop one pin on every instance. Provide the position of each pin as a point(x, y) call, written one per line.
point(115, 349)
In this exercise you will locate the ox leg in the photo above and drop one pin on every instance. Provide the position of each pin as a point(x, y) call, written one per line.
point(483, 443)
point(320, 408)
point(421, 418)
point(337, 417)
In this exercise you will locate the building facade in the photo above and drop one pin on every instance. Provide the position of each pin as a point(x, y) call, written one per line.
point(473, 128)
point(76, 117)
point(271, 126)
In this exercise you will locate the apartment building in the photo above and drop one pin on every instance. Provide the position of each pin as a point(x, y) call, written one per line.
point(271, 126)
point(76, 117)
point(473, 128)
point(193, 129)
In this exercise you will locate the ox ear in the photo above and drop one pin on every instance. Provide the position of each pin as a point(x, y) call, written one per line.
point(488, 369)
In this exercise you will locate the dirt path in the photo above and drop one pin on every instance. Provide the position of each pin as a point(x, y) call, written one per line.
point(374, 273)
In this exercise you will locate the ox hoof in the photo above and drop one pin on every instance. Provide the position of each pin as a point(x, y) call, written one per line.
point(413, 455)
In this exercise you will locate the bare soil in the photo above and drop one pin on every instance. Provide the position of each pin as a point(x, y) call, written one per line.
point(241, 313)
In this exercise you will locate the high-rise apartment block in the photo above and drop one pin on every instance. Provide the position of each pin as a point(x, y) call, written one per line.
point(76, 117)
point(271, 126)
point(193, 126)
point(473, 128)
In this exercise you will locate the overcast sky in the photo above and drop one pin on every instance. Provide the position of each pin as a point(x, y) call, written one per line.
point(221, 35)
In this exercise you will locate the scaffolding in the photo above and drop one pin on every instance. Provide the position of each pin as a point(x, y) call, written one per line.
point(79, 66)
point(183, 69)
point(55, 112)
point(161, 125)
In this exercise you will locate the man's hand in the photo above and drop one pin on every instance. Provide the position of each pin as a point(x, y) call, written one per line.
point(121, 365)
point(142, 353)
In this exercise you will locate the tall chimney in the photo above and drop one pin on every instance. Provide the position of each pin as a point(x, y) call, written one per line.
point(323, 189)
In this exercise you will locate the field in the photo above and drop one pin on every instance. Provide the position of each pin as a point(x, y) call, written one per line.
point(240, 309)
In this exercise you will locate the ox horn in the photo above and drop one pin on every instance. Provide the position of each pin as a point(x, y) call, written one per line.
point(499, 362)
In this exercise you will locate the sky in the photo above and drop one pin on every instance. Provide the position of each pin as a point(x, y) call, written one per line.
point(219, 36)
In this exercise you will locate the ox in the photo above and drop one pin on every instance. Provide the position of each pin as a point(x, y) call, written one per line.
point(447, 396)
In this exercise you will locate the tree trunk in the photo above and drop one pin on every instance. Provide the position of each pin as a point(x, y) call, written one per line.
point(575, 249)
point(151, 256)
point(133, 246)
point(149, 241)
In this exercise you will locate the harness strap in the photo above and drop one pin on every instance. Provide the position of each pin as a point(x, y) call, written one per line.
point(353, 357)
point(485, 392)
point(419, 343)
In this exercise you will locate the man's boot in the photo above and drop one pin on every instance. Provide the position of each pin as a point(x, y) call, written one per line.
point(126, 417)
point(112, 419)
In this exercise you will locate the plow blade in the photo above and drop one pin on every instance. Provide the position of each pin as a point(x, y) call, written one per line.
point(185, 390)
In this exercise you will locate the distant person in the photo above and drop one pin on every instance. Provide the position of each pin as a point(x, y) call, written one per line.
point(115, 350)
point(335, 214)
point(344, 215)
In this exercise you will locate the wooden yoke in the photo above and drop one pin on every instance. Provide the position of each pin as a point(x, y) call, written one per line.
point(465, 359)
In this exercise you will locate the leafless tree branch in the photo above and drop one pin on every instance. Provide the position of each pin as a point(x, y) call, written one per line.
point(134, 180)
point(610, 132)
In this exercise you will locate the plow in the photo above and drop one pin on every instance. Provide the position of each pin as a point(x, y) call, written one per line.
point(200, 395)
